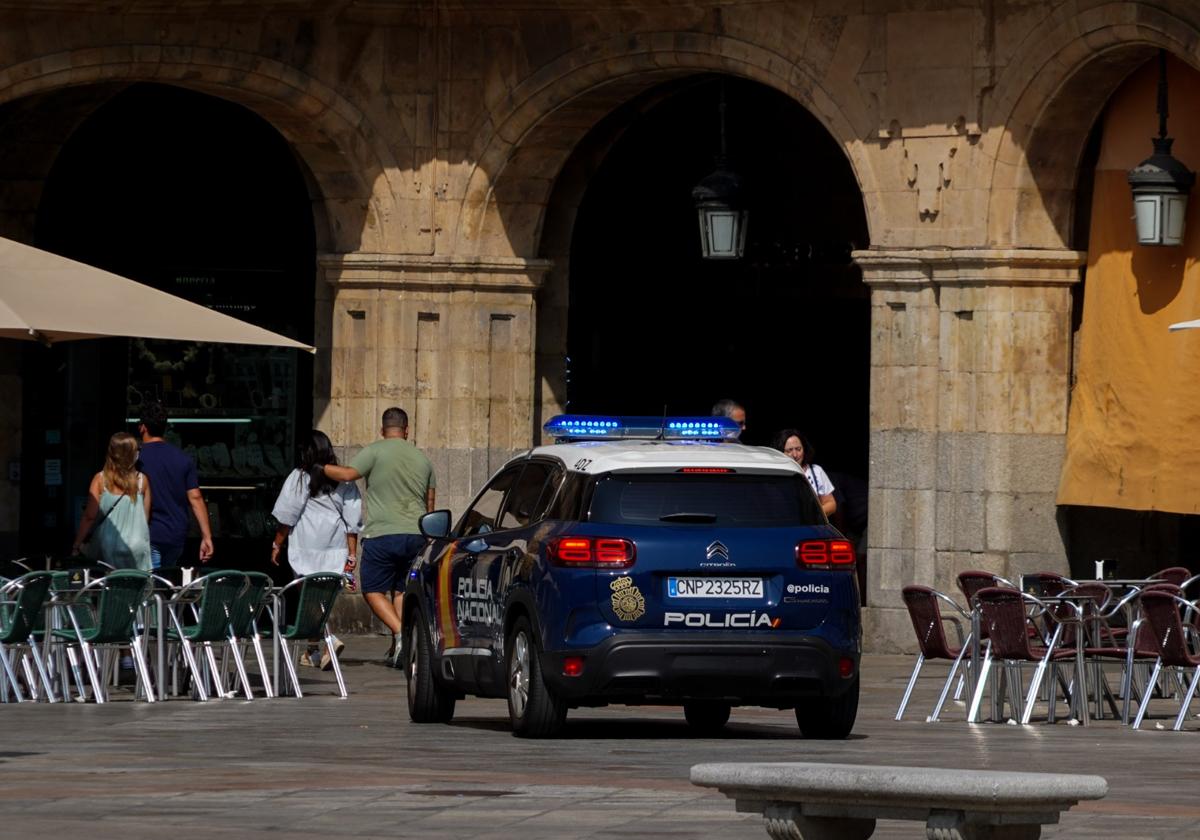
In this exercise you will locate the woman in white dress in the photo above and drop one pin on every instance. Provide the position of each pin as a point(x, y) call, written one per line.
point(320, 519)
point(792, 443)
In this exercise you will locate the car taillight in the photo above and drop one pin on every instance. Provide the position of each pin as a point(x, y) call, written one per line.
point(593, 552)
point(825, 554)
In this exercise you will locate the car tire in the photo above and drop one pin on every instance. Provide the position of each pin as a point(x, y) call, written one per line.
point(428, 700)
point(532, 707)
point(829, 718)
point(706, 717)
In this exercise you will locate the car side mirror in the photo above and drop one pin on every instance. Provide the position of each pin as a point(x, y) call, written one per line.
point(435, 524)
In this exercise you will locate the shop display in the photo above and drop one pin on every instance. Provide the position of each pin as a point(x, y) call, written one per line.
point(233, 411)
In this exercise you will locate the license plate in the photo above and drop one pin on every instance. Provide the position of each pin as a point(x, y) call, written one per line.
point(714, 587)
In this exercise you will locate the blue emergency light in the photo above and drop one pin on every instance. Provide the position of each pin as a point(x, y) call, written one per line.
point(567, 427)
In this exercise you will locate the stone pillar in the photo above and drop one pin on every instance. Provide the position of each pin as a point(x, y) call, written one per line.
point(970, 378)
point(449, 341)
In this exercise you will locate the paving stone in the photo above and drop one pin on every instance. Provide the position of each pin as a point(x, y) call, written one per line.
point(324, 767)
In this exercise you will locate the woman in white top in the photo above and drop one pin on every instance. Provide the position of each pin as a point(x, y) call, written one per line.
point(792, 443)
point(319, 517)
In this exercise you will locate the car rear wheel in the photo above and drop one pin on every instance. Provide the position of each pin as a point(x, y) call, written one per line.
point(428, 700)
point(532, 707)
point(829, 718)
point(706, 716)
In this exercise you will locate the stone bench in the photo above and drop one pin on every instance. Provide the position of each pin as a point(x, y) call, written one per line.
point(809, 801)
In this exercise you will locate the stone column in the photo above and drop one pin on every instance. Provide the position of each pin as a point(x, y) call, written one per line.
point(970, 378)
point(450, 341)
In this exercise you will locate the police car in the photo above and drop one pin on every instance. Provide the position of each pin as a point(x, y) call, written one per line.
point(637, 561)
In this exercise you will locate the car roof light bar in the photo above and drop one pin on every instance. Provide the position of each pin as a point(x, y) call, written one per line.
point(567, 427)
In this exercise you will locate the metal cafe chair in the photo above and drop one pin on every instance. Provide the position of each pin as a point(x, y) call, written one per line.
point(103, 615)
point(925, 609)
point(1177, 575)
point(243, 623)
point(315, 596)
point(1163, 609)
point(969, 583)
point(1006, 616)
point(21, 603)
point(201, 614)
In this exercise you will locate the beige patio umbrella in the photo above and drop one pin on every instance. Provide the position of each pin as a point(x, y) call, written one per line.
point(48, 298)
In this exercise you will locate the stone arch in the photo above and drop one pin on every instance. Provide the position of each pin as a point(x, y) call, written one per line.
point(1058, 85)
point(349, 166)
point(521, 146)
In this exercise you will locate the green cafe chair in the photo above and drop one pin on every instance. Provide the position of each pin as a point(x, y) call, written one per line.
point(201, 614)
point(244, 621)
point(315, 596)
point(21, 602)
point(103, 616)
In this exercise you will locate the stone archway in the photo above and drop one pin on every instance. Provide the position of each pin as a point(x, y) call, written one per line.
point(1056, 88)
point(520, 150)
point(350, 165)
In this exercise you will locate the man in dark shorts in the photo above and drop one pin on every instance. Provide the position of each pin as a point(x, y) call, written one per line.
point(400, 489)
point(172, 474)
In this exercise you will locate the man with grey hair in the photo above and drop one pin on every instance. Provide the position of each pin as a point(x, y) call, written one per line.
point(400, 488)
point(733, 410)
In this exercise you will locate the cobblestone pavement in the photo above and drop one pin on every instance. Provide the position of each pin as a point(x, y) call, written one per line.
point(324, 767)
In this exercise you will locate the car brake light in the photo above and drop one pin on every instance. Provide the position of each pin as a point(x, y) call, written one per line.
point(573, 666)
point(705, 470)
point(593, 552)
point(825, 554)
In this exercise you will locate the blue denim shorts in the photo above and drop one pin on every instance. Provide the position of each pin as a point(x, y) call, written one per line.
point(386, 560)
point(165, 556)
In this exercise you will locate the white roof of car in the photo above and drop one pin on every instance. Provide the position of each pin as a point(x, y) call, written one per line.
point(599, 456)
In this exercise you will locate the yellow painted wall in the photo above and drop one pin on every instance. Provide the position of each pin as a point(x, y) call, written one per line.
point(1133, 438)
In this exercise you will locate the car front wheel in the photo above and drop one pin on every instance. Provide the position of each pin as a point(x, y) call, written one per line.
point(428, 700)
point(829, 718)
point(532, 707)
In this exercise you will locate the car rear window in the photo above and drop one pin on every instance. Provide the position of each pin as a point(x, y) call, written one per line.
point(732, 501)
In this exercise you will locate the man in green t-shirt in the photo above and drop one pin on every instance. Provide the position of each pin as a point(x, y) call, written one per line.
point(400, 488)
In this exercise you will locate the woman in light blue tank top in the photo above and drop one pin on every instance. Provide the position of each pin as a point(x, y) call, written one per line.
point(116, 522)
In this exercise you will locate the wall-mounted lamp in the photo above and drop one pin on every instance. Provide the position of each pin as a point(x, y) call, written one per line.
point(1161, 183)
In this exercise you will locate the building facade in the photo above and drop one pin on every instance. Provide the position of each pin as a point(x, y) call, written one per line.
point(451, 153)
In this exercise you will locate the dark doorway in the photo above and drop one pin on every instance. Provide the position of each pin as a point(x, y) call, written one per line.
point(653, 327)
point(202, 198)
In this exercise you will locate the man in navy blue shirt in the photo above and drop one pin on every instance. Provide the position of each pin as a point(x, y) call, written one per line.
point(172, 474)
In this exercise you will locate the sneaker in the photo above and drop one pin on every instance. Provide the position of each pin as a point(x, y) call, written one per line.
point(396, 660)
point(306, 659)
point(326, 659)
point(126, 663)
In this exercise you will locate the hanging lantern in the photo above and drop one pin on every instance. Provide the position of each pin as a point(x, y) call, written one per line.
point(1161, 183)
point(718, 203)
point(722, 221)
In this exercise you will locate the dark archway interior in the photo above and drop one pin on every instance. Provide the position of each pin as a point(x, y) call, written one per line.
point(202, 198)
point(653, 327)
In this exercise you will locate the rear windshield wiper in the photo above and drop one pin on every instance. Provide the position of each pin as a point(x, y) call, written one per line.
point(685, 516)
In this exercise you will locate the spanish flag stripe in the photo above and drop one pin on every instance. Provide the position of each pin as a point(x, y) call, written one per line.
point(449, 626)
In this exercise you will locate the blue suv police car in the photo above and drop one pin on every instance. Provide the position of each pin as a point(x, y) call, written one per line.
point(637, 561)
